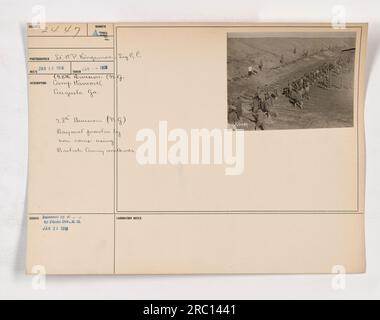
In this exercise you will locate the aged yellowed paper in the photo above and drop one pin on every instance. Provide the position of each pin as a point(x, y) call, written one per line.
point(196, 148)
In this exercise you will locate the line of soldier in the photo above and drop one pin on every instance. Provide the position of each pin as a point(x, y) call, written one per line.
point(261, 104)
point(299, 90)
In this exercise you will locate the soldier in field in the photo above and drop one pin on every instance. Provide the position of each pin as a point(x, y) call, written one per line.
point(261, 65)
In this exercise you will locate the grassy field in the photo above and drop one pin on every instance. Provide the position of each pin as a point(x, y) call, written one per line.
point(332, 108)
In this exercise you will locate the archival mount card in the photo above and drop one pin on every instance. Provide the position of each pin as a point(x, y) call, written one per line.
point(207, 148)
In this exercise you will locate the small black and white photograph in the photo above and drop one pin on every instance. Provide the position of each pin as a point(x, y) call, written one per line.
point(285, 81)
